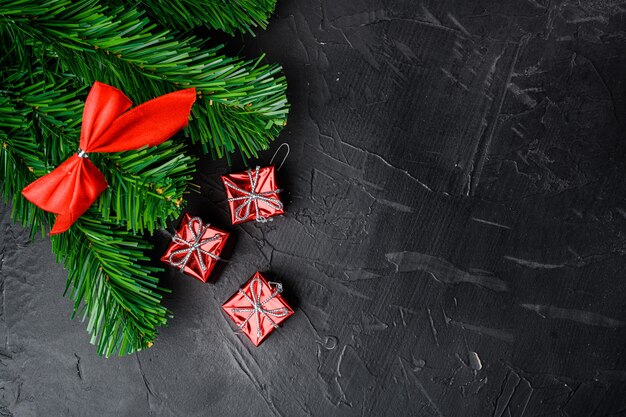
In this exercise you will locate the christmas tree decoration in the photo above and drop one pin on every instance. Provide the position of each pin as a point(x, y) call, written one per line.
point(195, 248)
point(257, 308)
point(73, 186)
point(253, 195)
point(54, 52)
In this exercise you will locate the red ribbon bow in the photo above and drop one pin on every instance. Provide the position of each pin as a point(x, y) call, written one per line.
point(74, 185)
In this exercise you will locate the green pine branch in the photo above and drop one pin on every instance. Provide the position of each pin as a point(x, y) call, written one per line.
point(55, 50)
point(111, 284)
point(122, 47)
point(19, 159)
point(229, 16)
point(108, 279)
point(145, 186)
point(52, 105)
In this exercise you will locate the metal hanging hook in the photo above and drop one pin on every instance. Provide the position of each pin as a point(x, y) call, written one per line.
point(276, 153)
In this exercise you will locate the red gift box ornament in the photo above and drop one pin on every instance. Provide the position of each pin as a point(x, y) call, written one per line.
point(73, 186)
point(195, 248)
point(253, 190)
point(257, 308)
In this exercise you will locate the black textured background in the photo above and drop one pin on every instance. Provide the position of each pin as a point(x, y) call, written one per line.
point(454, 244)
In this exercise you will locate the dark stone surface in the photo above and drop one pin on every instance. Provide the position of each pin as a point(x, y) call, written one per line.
point(454, 244)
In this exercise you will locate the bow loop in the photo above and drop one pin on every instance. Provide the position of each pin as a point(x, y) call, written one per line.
point(104, 104)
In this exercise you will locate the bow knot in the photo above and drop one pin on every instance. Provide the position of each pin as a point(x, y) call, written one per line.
point(194, 245)
point(258, 306)
point(253, 197)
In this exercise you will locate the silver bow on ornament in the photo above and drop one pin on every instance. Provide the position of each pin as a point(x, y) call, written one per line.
point(258, 308)
point(243, 211)
point(194, 245)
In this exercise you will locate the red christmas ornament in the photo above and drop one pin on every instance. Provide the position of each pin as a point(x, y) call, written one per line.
point(74, 185)
point(257, 308)
point(253, 195)
point(195, 248)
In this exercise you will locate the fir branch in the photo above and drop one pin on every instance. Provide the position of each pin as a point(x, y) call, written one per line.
point(52, 104)
point(19, 160)
point(55, 51)
point(123, 48)
point(146, 186)
point(111, 284)
point(227, 15)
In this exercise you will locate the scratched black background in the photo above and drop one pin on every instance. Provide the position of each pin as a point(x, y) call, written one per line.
point(454, 240)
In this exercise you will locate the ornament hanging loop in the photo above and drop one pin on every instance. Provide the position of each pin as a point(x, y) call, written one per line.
point(276, 153)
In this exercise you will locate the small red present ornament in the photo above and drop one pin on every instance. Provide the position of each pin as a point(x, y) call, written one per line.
point(195, 248)
point(253, 195)
point(257, 308)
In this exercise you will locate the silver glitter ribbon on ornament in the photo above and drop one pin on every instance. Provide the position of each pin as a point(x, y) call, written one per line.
point(258, 308)
point(194, 245)
point(252, 197)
